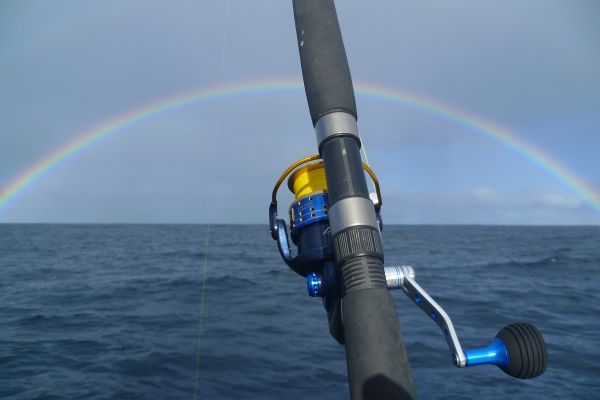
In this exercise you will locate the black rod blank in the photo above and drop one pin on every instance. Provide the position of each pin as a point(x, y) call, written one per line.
point(378, 367)
point(325, 69)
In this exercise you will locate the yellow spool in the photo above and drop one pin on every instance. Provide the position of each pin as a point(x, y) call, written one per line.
point(314, 182)
point(307, 180)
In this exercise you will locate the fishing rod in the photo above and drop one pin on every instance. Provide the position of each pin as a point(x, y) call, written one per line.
point(336, 228)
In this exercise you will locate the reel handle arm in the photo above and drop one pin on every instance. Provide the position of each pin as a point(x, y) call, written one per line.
point(518, 349)
point(422, 299)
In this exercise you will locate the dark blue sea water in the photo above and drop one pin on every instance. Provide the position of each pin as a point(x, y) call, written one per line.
point(114, 311)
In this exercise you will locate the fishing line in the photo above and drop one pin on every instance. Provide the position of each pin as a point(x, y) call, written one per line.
point(363, 148)
point(364, 151)
point(209, 204)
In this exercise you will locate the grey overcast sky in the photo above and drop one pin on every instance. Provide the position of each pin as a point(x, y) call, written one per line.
point(531, 67)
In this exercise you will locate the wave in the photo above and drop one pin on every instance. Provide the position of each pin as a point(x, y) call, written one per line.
point(543, 262)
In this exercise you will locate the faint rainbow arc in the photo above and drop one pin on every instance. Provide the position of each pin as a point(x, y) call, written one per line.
point(495, 133)
point(473, 122)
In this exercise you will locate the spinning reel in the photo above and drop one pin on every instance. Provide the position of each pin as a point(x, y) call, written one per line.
point(308, 214)
point(518, 349)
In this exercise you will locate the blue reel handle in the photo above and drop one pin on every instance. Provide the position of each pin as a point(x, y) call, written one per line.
point(518, 349)
point(494, 354)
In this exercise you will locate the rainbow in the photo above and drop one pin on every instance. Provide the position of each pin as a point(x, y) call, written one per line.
point(473, 122)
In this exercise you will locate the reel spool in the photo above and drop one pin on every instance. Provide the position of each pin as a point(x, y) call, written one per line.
point(308, 216)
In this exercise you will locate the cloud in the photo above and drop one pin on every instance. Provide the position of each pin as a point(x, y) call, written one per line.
point(484, 193)
point(485, 205)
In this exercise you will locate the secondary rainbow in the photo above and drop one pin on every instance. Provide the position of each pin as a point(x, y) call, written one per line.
point(473, 122)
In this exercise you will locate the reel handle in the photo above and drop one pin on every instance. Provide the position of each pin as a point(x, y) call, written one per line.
point(518, 349)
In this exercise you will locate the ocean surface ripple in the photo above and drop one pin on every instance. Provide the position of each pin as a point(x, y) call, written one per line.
point(118, 311)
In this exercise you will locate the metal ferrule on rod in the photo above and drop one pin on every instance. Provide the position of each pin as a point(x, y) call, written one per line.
point(336, 124)
point(352, 211)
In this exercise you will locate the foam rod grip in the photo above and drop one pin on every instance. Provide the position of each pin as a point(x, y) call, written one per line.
point(323, 59)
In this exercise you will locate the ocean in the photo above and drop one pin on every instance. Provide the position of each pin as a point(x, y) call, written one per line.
point(190, 311)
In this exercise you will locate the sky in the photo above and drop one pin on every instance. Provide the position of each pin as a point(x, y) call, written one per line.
point(525, 70)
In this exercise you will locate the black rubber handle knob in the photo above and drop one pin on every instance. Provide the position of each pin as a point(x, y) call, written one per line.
point(527, 353)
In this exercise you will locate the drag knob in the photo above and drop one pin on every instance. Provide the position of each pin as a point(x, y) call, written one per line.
point(526, 350)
